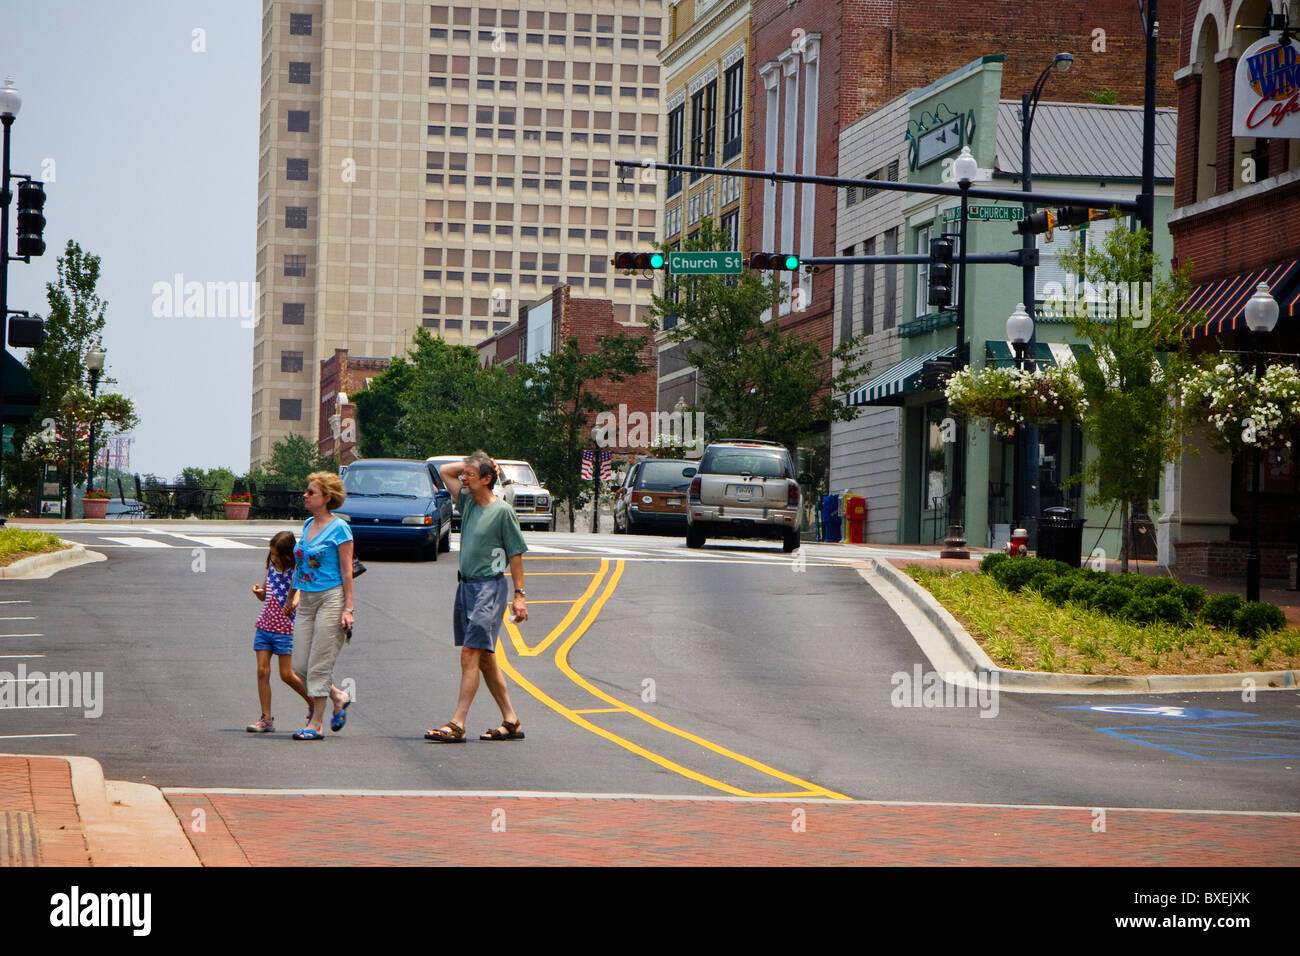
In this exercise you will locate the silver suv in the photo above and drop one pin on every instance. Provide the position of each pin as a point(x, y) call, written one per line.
point(744, 489)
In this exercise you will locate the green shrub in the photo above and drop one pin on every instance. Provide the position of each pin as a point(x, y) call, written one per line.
point(1219, 610)
point(1154, 587)
point(1111, 598)
point(1040, 580)
point(1140, 610)
point(1057, 590)
point(1084, 591)
point(990, 561)
point(1256, 618)
point(1127, 580)
point(1193, 598)
point(1170, 609)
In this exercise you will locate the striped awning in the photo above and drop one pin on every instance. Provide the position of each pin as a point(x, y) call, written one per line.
point(1045, 354)
point(888, 387)
point(1223, 301)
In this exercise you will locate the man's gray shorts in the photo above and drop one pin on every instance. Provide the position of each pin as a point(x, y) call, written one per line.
point(480, 605)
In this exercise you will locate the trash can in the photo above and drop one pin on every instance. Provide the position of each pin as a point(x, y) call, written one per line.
point(832, 523)
point(855, 513)
point(1060, 536)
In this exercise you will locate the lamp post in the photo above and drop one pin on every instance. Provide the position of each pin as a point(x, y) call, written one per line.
point(597, 433)
point(1261, 316)
point(1027, 491)
point(95, 365)
point(965, 169)
point(10, 104)
point(1020, 331)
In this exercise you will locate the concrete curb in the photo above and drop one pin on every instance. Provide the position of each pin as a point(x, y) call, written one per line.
point(967, 650)
point(44, 565)
point(124, 824)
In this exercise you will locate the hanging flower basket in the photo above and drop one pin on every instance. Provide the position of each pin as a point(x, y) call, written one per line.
point(1239, 410)
point(1008, 398)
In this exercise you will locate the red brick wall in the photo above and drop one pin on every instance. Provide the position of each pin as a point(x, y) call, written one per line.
point(338, 373)
point(1247, 234)
point(1224, 169)
point(591, 320)
point(1227, 559)
point(1185, 165)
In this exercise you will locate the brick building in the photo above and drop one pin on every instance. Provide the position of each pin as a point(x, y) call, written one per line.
point(342, 375)
point(1235, 198)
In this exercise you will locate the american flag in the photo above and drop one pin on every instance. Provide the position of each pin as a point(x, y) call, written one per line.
point(606, 465)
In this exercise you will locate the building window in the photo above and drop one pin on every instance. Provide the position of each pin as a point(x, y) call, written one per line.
point(693, 210)
point(293, 313)
point(732, 122)
point(290, 361)
point(704, 119)
point(299, 121)
point(676, 143)
point(869, 290)
point(291, 409)
point(296, 169)
point(923, 269)
point(891, 294)
point(731, 226)
point(673, 221)
point(846, 298)
point(295, 217)
point(295, 266)
point(299, 72)
point(728, 190)
point(300, 24)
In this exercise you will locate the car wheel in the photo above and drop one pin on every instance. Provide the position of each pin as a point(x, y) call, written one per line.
point(694, 537)
point(790, 541)
point(444, 543)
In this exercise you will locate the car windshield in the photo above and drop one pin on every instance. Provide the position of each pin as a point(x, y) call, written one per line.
point(519, 474)
point(663, 476)
point(737, 461)
point(380, 481)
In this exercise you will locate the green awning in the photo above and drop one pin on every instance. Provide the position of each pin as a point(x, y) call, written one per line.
point(888, 387)
point(21, 396)
point(998, 352)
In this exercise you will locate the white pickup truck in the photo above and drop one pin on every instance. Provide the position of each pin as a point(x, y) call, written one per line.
point(520, 487)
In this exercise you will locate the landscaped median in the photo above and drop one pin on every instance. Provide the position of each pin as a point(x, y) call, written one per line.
point(19, 543)
point(1037, 615)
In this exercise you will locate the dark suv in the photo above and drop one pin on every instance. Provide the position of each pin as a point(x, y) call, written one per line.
point(744, 489)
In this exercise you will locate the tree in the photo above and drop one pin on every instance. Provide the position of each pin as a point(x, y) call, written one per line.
point(292, 460)
point(1135, 359)
point(567, 385)
point(380, 417)
point(759, 381)
point(73, 327)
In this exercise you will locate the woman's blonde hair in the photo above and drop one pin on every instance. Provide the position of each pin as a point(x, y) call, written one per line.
point(330, 485)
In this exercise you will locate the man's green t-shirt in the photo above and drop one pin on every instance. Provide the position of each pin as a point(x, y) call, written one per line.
point(489, 537)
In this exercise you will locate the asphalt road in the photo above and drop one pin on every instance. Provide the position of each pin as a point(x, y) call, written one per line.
point(645, 668)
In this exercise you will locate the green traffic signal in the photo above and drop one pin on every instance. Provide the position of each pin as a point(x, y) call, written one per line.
point(792, 263)
point(656, 260)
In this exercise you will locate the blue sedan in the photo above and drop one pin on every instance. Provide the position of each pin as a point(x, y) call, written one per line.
point(396, 503)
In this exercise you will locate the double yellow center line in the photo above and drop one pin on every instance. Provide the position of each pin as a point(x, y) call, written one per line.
point(599, 590)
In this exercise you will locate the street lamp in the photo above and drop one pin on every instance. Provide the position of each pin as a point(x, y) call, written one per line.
point(1261, 316)
point(1061, 63)
point(95, 365)
point(597, 433)
point(1020, 332)
point(10, 104)
point(965, 169)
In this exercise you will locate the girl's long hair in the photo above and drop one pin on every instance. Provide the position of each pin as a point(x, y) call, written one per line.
point(282, 546)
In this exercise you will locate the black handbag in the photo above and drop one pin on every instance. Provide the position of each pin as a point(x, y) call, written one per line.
point(358, 568)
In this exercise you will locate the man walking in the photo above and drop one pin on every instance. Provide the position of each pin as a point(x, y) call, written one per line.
point(490, 540)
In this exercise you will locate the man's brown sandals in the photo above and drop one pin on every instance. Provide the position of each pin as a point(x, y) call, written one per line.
point(509, 730)
point(449, 733)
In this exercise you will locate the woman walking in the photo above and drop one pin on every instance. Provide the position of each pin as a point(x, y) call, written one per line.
point(323, 578)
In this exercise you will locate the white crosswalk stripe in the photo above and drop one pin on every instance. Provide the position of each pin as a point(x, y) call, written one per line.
point(212, 542)
point(141, 542)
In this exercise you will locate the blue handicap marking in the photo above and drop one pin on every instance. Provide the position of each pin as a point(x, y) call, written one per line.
point(1157, 710)
point(1234, 740)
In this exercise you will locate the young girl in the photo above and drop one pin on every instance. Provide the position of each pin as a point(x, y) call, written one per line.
point(274, 634)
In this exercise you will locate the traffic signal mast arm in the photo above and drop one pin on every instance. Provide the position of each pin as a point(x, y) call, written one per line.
point(1133, 206)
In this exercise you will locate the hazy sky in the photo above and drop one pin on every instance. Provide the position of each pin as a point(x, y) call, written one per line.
point(150, 133)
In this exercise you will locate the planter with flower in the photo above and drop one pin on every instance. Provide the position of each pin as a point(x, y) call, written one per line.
point(1008, 398)
point(237, 506)
point(95, 503)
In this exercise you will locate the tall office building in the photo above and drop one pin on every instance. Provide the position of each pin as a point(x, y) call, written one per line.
point(437, 166)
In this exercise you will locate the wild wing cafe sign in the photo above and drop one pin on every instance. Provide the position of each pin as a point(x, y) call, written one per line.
point(1266, 98)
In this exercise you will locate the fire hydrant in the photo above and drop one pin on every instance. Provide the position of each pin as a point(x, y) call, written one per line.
point(1019, 543)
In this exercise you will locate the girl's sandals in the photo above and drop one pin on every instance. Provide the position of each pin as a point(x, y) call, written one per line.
point(509, 730)
point(454, 734)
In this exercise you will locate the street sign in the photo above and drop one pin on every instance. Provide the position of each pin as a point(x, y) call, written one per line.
point(987, 213)
point(704, 263)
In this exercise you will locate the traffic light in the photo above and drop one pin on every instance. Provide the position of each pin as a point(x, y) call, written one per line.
point(1042, 221)
point(774, 262)
point(941, 272)
point(26, 332)
point(1078, 215)
point(638, 260)
point(31, 224)
point(1048, 219)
